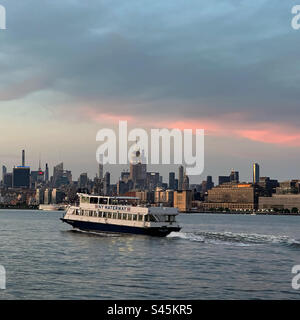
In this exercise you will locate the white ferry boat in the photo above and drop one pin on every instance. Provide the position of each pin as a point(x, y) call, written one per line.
point(121, 215)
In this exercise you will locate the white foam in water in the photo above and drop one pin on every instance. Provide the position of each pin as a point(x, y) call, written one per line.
point(237, 239)
point(186, 235)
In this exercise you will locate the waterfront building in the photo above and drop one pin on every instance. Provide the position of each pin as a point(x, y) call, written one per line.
point(39, 196)
point(288, 187)
point(57, 196)
point(48, 196)
point(232, 196)
point(280, 202)
point(183, 200)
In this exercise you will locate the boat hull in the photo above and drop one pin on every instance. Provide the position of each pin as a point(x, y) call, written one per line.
point(112, 228)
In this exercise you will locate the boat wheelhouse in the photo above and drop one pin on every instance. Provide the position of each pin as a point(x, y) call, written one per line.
point(121, 215)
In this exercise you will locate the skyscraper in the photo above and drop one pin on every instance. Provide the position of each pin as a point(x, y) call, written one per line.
point(106, 184)
point(23, 158)
point(4, 172)
point(234, 176)
point(180, 177)
point(83, 181)
point(21, 177)
point(172, 180)
point(255, 173)
point(47, 173)
point(100, 169)
point(138, 169)
point(186, 183)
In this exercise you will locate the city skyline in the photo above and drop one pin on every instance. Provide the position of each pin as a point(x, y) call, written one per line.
point(178, 170)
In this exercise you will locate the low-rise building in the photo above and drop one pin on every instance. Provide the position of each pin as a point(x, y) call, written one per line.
point(183, 200)
point(280, 202)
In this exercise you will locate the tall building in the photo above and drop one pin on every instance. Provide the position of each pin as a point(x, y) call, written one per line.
point(176, 184)
point(57, 174)
point(37, 176)
point(106, 184)
point(180, 177)
point(83, 181)
point(47, 173)
point(256, 174)
point(100, 169)
point(172, 180)
point(186, 183)
point(152, 180)
point(60, 176)
point(48, 196)
point(224, 179)
point(21, 177)
point(138, 169)
point(8, 180)
point(234, 176)
point(23, 158)
point(4, 172)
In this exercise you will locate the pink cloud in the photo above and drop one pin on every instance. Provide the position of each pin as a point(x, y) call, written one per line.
point(230, 125)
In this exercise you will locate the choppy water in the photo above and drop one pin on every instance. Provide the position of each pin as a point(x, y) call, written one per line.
point(213, 257)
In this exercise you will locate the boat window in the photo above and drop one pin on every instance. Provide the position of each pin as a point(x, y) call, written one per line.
point(95, 213)
point(114, 201)
point(134, 217)
point(124, 216)
point(85, 200)
point(91, 213)
point(103, 201)
point(94, 200)
point(170, 218)
point(119, 215)
point(140, 218)
point(104, 215)
point(115, 216)
point(129, 216)
point(109, 215)
point(150, 218)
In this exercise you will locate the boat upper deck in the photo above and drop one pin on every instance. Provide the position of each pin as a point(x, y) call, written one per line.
point(129, 204)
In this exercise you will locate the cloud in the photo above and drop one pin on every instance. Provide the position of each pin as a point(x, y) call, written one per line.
point(230, 67)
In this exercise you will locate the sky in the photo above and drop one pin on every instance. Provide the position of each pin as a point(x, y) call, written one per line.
point(69, 68)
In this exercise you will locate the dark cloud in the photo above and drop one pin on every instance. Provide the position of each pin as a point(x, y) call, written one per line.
point(189, 58)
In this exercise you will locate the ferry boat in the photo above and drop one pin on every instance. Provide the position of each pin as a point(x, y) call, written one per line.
point(120, 215)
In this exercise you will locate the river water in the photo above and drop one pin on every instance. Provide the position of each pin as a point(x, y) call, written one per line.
point(213, 257)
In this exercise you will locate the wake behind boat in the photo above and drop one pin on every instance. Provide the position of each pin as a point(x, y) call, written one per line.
point(121, 215)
